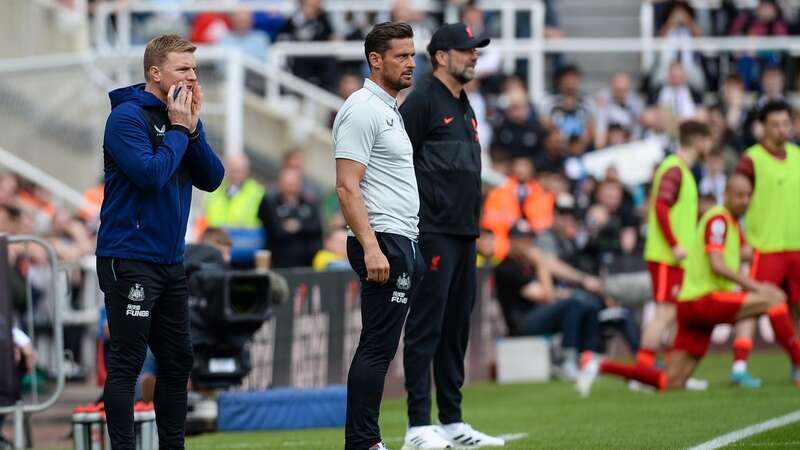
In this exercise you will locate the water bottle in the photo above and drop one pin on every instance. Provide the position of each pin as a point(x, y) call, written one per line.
point(80, 436)
point(104, 426)
point(149, 433)
point(137, 425)
point(95, 427)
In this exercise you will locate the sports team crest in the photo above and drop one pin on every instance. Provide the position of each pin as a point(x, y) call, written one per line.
point(137, 293)
point(403, 281)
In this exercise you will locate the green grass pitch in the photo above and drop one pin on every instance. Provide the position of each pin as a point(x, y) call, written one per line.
point(551, 415)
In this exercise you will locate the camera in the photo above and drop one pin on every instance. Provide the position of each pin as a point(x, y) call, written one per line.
point(226, 307)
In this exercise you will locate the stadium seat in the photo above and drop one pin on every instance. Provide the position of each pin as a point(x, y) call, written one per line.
point(245, 244)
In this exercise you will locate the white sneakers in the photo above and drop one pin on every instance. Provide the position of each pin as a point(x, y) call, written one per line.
point(590, 368)
point(696, 384)
point(425, 437)
point(638, 386)
point(456, 435)
point(463, 435)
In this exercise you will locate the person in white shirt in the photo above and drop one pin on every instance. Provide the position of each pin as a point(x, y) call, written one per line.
point(676, 94)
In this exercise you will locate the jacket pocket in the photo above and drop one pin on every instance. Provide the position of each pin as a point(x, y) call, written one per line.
point(113, 269)
point(392, 247)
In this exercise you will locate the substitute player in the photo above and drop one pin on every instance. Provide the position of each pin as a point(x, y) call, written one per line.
point(377, 191)
point(772, 224)
point(672, 218)
point(447, 160)
point(710, 295)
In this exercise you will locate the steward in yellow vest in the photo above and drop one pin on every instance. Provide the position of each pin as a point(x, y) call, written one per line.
point(235, 207)
point(235, 203)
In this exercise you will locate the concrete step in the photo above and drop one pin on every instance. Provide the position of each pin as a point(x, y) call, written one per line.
point(54, 120)
point(597, 68)
point(594, 4)
point(600, 26)
point(567, 9)
point(591, 18)
point(79, 170)
point(273, 129)
point(604, 62)
point(29, 28)
point(61, 131)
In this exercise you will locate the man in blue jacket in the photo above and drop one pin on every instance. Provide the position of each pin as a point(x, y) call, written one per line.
point(154, 151)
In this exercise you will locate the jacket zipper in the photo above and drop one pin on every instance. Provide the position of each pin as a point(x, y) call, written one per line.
point(178, 189)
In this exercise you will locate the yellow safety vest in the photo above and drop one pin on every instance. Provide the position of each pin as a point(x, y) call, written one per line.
point(239, 211)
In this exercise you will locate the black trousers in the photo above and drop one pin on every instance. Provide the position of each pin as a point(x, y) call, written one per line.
point(383, 311)
point(437, 329)
point(147, 304)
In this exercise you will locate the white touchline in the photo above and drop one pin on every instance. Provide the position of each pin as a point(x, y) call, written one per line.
point(233, 445)
point(738, 435)
point(508, 438)
point(227, 445)
point(513, 436)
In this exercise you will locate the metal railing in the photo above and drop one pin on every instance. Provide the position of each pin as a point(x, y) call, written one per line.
point(122, 13)
point(647, 28)
point(278, 80)
point(110, 69)
point(536, 48)
point(92, 61)
point(532, 49)
point(40, 177)
point(59, 305)
point(236, 65)
point(510, 47)
point(647, 20)
point(79, 8)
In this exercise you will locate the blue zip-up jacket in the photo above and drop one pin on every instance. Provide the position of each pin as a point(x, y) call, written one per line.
point(148, 184)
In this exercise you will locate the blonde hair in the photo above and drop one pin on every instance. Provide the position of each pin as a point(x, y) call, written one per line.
point(159, 47)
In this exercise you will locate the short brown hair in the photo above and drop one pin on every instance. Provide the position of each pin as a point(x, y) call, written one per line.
point(159, 47)
point(692, 129)
point(379, 39)
point(216, 236)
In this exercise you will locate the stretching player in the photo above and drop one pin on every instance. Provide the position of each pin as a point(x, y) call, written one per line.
point(710, 295)
point(672, 218)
